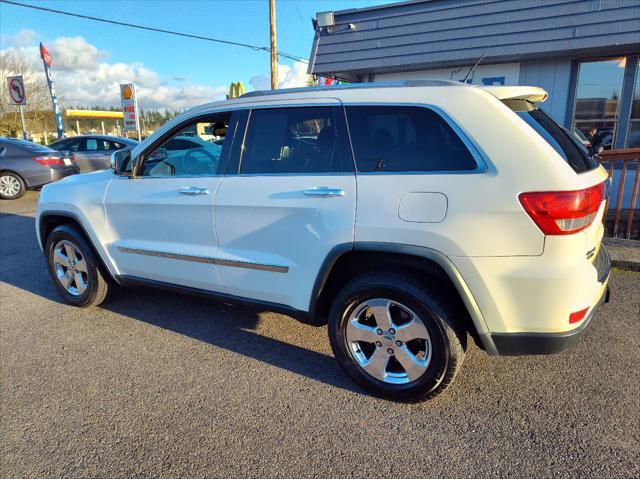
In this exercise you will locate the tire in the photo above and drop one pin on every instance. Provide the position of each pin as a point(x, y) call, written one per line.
point(94, 285)
point(12, 186)
point(434, 356)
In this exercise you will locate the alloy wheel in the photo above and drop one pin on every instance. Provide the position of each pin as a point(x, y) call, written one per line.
point(388, 341)
point(71, 267)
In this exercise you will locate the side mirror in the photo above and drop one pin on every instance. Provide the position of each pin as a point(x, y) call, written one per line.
point(121, 162)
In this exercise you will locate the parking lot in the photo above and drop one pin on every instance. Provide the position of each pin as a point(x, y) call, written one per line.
point(156, 384)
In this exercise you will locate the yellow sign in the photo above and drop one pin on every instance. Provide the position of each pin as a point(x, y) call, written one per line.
point(127, 91)
point(93, 114)
point(236, 90)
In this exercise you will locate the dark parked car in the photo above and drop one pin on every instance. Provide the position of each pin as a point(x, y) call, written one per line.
point(25, 165)
point(93, 152)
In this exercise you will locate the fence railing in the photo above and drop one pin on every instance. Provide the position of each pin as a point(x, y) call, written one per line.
point(622, 218)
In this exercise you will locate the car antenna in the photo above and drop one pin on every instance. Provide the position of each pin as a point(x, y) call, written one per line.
point(474, 66)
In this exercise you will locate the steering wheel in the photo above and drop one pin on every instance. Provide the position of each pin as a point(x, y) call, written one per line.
point(190, 158)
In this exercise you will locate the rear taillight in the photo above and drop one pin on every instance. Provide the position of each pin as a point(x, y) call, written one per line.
point(48, 160)
point(563, 212)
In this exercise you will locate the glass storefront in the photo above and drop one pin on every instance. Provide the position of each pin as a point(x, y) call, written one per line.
point(598, 99)
point(633, 139)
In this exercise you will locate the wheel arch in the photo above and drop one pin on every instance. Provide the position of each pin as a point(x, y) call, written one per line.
point(49, 220)
point(348, 260)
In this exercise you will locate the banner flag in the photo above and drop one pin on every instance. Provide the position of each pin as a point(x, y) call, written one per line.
point(47, 60)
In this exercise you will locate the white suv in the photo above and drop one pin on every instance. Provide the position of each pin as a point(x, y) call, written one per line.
point(406, 216)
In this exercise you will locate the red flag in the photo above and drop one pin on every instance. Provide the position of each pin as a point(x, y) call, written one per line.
point(45, 55)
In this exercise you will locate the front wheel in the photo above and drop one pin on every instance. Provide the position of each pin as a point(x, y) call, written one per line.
point(74, 268)
point(395, 337)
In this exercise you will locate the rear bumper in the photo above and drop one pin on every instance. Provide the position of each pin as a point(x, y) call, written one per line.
point(524, 343)
point(519, 344)
point(49, 175)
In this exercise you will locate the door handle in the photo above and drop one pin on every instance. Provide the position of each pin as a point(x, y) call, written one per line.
point(193, 191)
point(323, 192)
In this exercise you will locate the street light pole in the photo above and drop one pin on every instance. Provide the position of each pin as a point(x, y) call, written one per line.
point(274, 51)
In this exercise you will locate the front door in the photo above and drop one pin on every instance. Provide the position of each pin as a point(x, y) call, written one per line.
point(288, 202)
point(162, 219)
point(94, 154)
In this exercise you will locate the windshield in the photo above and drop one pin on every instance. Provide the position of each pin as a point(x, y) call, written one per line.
point(565, 143)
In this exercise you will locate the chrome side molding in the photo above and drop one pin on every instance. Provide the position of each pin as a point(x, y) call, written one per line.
point(245, 264)
point(206, 259)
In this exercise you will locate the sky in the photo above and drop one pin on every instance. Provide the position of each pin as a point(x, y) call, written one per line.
point(91, 58)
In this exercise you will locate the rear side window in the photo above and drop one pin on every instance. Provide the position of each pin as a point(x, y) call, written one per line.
point(295, 140)
point(92, 145)
point(565, 144)
point(405, 138)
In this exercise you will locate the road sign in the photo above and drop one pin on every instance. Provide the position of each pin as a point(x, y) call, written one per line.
point(129, 101)
point(17, 95)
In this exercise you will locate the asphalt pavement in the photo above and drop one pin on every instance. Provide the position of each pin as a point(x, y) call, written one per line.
point(162, 385)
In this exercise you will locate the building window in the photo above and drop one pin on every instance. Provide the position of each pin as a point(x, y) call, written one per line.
point(633, 140)
point(597, 100)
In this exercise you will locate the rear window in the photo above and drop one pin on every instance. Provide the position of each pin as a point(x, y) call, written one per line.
point(405, 138)
point(565, 144)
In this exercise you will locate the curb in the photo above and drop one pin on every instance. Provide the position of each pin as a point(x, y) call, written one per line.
point(625, 254)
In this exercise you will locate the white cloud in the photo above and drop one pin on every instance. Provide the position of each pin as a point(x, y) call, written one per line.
point(74, 53)
point(83, 77)
point(287, 77)
point(23, 38)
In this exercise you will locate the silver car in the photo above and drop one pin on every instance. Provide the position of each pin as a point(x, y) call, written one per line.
point(93, 152)
point(25, 165)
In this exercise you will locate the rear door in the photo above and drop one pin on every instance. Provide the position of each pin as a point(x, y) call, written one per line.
point(288, 199)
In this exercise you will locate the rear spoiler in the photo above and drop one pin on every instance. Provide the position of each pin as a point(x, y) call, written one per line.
point(531, 94)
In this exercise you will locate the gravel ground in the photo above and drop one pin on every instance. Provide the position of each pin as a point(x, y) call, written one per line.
point(163, 385)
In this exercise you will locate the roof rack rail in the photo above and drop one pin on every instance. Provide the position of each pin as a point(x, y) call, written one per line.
point(353, 86)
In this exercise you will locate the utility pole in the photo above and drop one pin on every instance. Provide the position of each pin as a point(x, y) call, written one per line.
point(274, 51)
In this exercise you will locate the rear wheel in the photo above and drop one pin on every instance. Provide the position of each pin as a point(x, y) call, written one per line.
point(395, 337)
point(12, 186)
point(74, 268)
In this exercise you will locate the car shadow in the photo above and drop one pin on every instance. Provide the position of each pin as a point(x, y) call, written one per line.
point(231, 327)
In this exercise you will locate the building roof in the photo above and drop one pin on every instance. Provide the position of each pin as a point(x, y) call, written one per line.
point(427, 34)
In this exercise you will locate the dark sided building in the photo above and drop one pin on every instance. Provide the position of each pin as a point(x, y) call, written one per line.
point(583, 52)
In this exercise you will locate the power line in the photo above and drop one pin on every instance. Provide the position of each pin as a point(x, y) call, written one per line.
point(153, 29)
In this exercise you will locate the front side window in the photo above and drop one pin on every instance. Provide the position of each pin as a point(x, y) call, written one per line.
point(405, 138)
point(294, 140)
point(112, 145)
point(597, 101)
point(195, 150)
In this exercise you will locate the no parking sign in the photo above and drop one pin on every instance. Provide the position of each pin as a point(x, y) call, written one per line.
point(17, 95)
